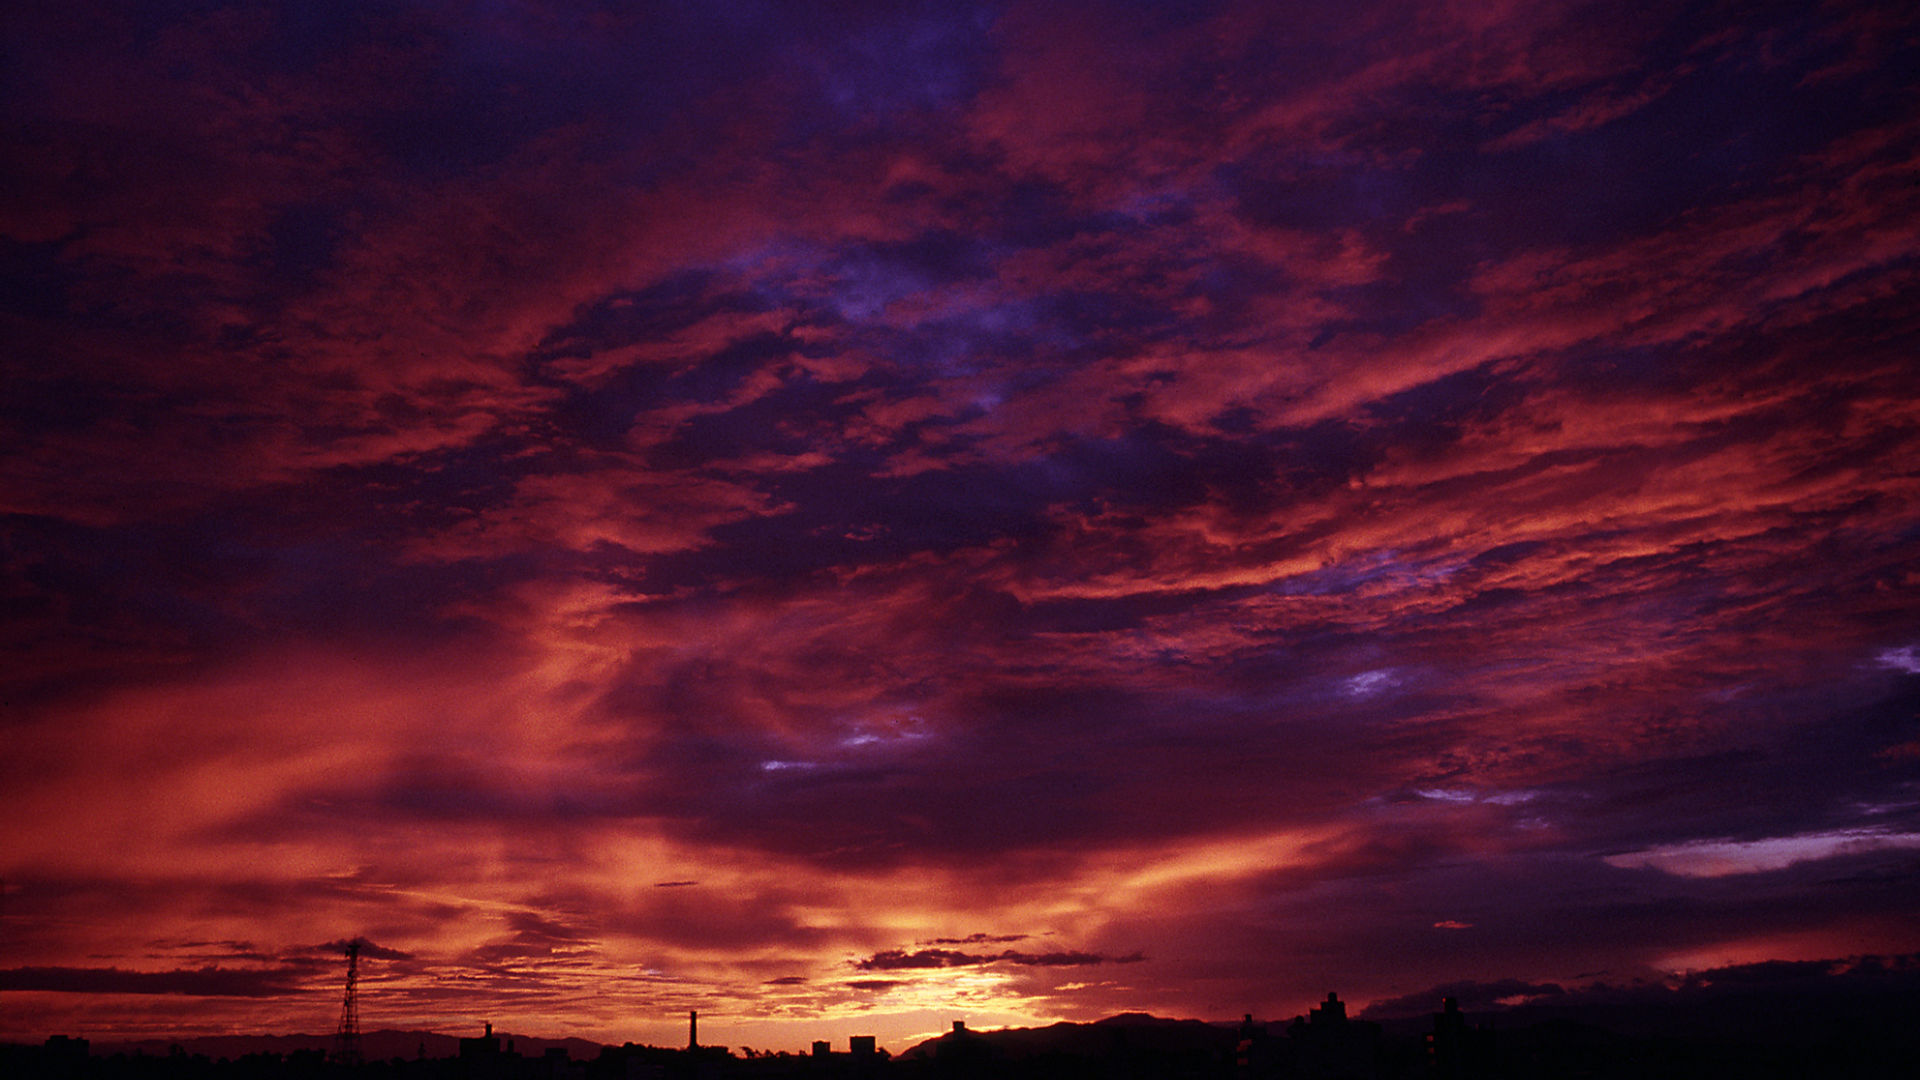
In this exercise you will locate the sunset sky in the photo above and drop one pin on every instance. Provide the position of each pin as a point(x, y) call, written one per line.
point(852, 516)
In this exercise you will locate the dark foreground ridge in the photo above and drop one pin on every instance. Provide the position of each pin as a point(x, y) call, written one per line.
point(1325, 1044)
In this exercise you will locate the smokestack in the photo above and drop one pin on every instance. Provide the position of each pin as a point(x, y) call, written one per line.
point(693, 1029)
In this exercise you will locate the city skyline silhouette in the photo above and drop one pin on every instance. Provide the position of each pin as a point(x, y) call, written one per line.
point(1764, 1028)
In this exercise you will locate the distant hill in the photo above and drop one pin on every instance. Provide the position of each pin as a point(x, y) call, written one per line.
point(1788, 1003)
point(374, 1045)
point(1130, 1033)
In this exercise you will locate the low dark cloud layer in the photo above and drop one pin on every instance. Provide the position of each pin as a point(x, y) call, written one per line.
point(203, 982)
point(900, 959)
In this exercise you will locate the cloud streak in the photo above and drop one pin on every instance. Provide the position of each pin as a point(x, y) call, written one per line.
point(900, 959)
point(203, 982)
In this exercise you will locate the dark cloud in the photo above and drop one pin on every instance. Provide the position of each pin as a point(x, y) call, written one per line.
point(1470, 996)
point(201, 982)
point(367, 949)
point(900, 959)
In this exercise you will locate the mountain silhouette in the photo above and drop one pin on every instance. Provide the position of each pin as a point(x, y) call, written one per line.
point(1126, 1033)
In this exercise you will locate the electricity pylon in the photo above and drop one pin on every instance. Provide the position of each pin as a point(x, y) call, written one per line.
point(346, 1038)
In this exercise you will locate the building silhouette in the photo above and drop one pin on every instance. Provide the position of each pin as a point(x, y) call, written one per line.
point(1455, 1050)
point(1325, 1045)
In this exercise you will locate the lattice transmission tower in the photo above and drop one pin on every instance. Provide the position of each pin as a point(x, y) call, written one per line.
point(346, 1038)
